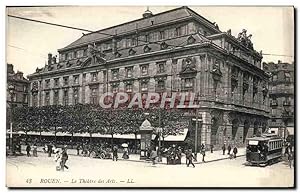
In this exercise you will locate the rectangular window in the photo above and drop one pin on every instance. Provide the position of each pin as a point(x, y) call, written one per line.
point(161, 85)
point(162, 35)
point(128, 87)
point(188, 83)
point(24, 98)
point(79, 53)
point(66, 97)
point(161, 67)
point(66, 81)
point(115, 74)
point(34, 100)
point(76, 79)
point(47, 83)
point(94, 76)
point(70, 56)
point(144, 70)
point(47, 98)
point(129, 72)
point(115, 88)
point(94, 97)
point(55, 98)
point(56, 82)
point(75, 96)
point(144, 86)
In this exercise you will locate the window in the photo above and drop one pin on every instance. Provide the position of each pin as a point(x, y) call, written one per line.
point(115, 88)
point(55, 98)
point(24, 98)
point(56, 81)
point(62, 57)
point(66, 81)
point(129, 72)
point(115, 74)
point(161, 67)
point(47, 99)
point(275, 77)
point(162, 35)
point(94, 76)
point(79, 53)
point(70, 55)
point(76, 79)
point(188, 83)
point(83, 77)
point(160, 85)
point(144, 70)
point(47, 83)
point(144, 86)
point(75, 96)
point(287, 76)
point(94, 98)
point(66, 97)
point(34, 100)
point(128, 87)
point(24, 88)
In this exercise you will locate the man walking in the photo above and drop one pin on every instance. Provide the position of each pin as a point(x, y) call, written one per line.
point(211, 148)
point(28, 148)
point(229, 149)
point(235, 151)
point(190, 157)
point(64, 158)
point(153, 156)
point(224, 149)
point(78, 148)
point(50, 150)
point(203, 152)
point(115, 153)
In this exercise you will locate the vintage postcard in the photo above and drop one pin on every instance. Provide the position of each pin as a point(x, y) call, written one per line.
point(150, 96)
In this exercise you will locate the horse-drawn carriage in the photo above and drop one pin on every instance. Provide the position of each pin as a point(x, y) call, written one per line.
point(102, 153)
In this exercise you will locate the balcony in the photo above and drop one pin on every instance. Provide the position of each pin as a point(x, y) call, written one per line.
point(284, 91)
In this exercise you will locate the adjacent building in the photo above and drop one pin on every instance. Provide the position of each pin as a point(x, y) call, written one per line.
point(16, 91)
point(173, 51)
point(281, 97)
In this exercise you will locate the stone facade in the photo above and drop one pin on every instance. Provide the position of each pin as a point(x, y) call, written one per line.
point(281, 97)
point(173, 51)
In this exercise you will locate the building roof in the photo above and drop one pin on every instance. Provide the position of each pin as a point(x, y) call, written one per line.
point(160, 18)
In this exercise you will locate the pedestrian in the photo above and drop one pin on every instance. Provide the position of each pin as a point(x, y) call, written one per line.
point(290, 158)
point(28, 148)
point(64, 158)
point(115, 153)
point(125, 153)
point(50, 150)
point(34, 152)
point(224, 149)
point(57, 159)
point(153, 156)
point(190, 157)
point(229, 149)
point(211, 148)
point(235, 151)
point(78, 149)
point(203, 153)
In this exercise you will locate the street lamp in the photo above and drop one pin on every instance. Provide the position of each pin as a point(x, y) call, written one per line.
point(11, 89)
point(197, 119)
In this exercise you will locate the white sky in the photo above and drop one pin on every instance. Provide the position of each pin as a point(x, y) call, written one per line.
point(272, 28)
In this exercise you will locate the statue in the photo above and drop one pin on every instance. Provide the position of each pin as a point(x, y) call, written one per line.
point(95, 54)
point(229, 32)
point(245, 40)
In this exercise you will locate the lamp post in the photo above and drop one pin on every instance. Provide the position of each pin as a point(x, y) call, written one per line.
point(11, 89)
point(196, 130)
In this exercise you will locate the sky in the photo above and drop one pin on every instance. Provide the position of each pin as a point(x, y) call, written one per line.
point(28, 43)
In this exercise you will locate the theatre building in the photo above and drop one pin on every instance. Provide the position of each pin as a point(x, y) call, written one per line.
point(173, 51)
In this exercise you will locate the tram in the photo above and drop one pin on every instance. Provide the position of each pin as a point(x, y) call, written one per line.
point(264, 150)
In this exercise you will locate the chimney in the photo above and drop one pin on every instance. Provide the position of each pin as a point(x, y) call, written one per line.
point(279, 61)
point(49, 59)
point(10, 68)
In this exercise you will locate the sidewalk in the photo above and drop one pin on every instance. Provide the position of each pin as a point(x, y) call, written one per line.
point(209, 157)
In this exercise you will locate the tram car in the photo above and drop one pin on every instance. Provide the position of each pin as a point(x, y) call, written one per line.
point(264, 150)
